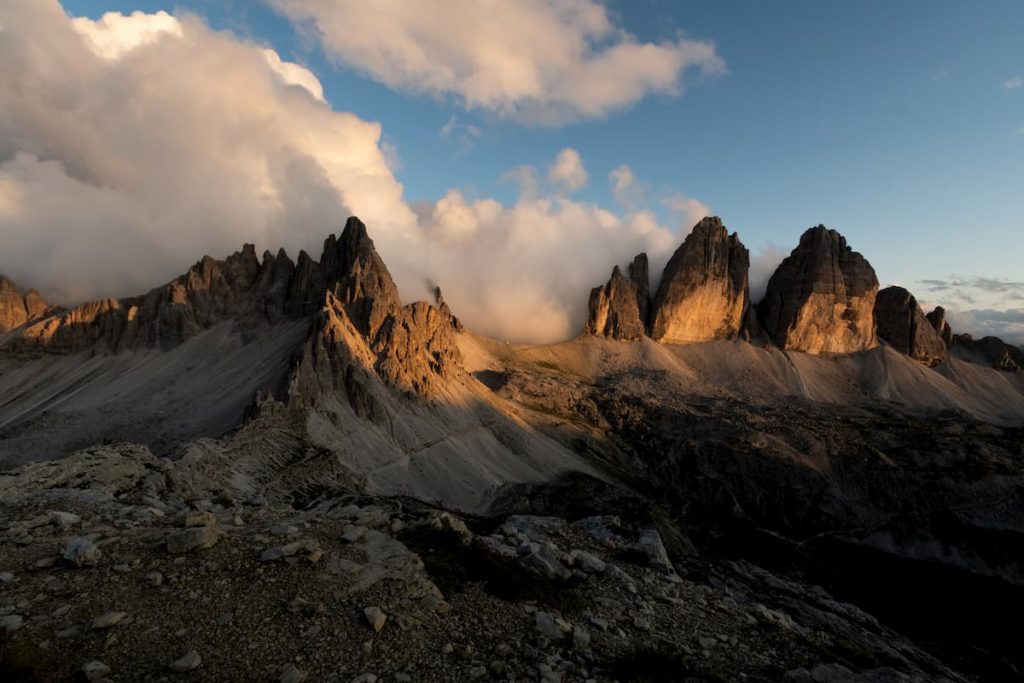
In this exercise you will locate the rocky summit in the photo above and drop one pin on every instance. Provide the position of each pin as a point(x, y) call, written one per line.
point(276, 470)
point(18, 307)
point(821, 298)
point(618, 310)
point(902, 323)
point(703, 293)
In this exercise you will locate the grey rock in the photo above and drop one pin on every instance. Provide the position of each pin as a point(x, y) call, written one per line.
point(291, 674)
point(195, 538)
point(375, 617)
point(11, 622)
point(187, 662)
point(81, 552)
point(107, 620)
point(95, 670)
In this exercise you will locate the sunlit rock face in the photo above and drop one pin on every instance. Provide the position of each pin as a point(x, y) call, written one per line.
point(900, 321)
point(18, 307)
point(703, 293)
point(821, 298)
point(618, 309)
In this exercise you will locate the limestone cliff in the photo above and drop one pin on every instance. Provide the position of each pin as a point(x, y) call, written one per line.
point(703, 293)
point(901, 322)
point(18, 307)
point(618, 309)
point(821, 298)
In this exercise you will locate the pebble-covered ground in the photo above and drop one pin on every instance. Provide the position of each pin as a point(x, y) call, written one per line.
point(116, 578)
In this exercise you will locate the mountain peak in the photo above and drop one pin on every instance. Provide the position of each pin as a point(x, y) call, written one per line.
point(703, 293)
point(821, 297)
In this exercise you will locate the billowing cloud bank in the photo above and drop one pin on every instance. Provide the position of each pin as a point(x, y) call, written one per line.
point(132, 145)
point(541, 61)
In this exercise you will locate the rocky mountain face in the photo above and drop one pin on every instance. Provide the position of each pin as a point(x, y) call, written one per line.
point(619, 309)
point(937, 319)
point(703, 293)
point(349, 294)
point(990, 351)
point(902, 323)
point(18, 307)
point(821, 298)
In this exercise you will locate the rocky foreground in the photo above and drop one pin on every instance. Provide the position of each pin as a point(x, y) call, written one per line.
point(115, 567)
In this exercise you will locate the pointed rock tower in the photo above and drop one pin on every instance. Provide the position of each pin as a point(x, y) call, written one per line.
point(937, 319)
point(618, 310)
point(821, 298)
point(902, 323)
point(704, 293)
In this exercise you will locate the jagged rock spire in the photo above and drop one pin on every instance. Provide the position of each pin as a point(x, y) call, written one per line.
point(615, 308)
point(703, 293)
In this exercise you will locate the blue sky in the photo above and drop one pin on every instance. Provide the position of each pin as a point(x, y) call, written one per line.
point(899, 123)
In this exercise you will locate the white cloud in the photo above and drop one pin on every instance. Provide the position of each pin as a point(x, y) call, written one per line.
point(539, 61)
point(118, 172)
point(691, 210)
point(114, 34)
point(567, 172)
point(294, 74)
point(131, 145)
point(1013, 83)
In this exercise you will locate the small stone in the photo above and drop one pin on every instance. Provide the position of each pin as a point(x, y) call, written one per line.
point(81, 552)
point(290, 674)
point(284, 530)
point(45, 563)
point(194, 538)
point(365, 678)
point(589, 563)
point(546, 626)
point(351, 534)
point(199, 518)
point(62, 519)
point(11, 623)
point(580, 639)
point(107, 620)
point(707, 643)
point(155, 579)
point(6, 577)
point(477, 672)
point(95, 670)
point(375, 617)
point(187, 662)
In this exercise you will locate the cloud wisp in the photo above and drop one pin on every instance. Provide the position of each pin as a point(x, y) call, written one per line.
point(536, 61)
point(225, 143)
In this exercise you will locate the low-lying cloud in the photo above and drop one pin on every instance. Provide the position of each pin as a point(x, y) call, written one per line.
point(132, 145)
point(537, 61)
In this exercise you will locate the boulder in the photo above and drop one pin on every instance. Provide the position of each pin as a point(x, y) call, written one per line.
point(902, 323)
point(703, 293)
point(821, 298)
